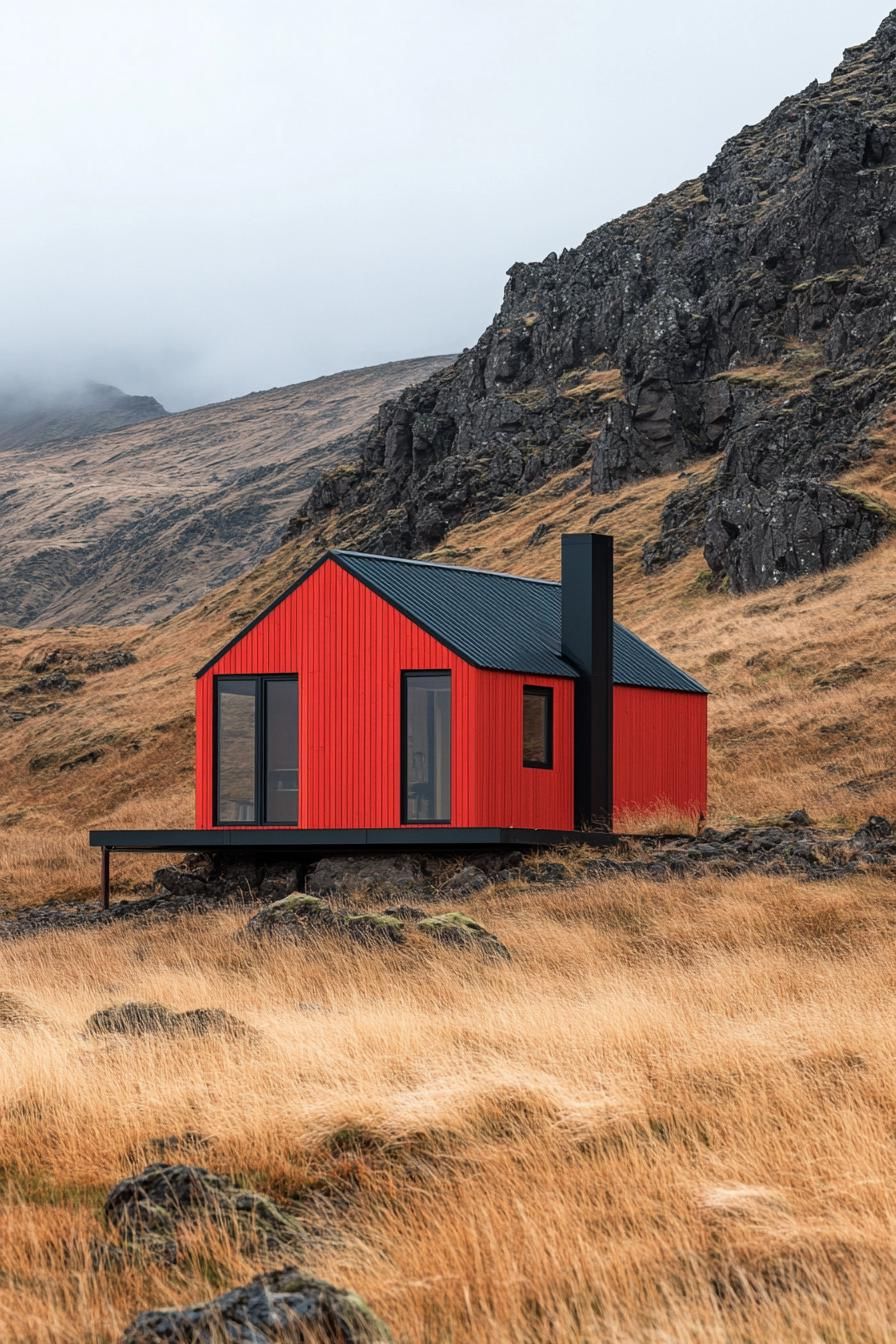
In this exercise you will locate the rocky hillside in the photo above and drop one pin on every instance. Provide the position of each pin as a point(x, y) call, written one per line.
point(747, 315)
point(143, 518)
point(30, 417)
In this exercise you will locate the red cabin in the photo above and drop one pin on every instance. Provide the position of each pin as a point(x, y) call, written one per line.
point(391, 696)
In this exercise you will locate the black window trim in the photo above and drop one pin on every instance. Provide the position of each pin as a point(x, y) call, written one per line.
point(260, 744)
point(424, 672)
point(547, 694)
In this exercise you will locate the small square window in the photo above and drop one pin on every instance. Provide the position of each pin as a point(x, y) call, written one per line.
point(538, 727)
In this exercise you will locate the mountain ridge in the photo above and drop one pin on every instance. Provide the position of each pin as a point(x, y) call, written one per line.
point(31, 417)
point(142, 519)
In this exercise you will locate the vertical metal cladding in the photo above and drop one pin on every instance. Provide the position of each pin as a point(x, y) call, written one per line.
point(348, 647)
point(511, 794)
point(659, 750)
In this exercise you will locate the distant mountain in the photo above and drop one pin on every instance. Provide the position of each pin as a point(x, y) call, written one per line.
point(747, 315)
point(30, 417)
point(112, 510)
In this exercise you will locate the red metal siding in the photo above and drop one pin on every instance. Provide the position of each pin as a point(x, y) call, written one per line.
point(348, 647)
point(659, 745)
point(511, 794)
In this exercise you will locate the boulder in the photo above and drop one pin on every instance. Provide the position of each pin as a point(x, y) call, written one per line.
point(296, 914)
point(148, 1210)
point(465, 882)
point(458, 930)
point(389, 875)
point(299, 915)
point(759, 536)
point(142, 1019)
point(283, 1305)
point(874, 830)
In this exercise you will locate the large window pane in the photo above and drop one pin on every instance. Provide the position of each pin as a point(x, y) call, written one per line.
point(427, 715)
point(281, 783)
point(236, 751)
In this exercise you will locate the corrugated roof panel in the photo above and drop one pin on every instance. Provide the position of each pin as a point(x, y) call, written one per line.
point(502, 621)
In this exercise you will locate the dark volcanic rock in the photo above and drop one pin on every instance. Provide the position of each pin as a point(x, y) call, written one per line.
point(365, 876)
point(747, 313)
point(148, 1211)
point(284, 1306)
point(764, 536)
point(874, 830)
point(682, 526)
point(464, 882)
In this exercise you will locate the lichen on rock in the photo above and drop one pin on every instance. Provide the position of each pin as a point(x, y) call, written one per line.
point(284, 1306)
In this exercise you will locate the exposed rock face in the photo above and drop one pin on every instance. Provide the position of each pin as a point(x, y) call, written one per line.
point(682, 526)
point(748, 313)
point(284, 1305)
point(761, 536)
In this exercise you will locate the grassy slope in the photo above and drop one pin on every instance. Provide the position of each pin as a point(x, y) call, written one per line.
point(802, 680)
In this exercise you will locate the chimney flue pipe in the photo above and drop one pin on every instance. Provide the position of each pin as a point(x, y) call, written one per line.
point(587, 643)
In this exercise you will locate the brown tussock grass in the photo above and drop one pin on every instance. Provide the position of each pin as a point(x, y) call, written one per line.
point(669, 1117)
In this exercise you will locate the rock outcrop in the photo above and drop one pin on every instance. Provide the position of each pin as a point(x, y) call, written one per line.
point(149, 1211)
point(748, 314)
point(301, 916)
point(284, 1306)
point(459, 930)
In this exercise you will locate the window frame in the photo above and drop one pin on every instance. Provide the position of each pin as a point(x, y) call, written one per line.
point(259, 679)
point(406, 674)
point(545, 693)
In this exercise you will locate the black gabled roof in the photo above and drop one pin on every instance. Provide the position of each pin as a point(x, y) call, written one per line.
point(502, 621)
point(492, 620)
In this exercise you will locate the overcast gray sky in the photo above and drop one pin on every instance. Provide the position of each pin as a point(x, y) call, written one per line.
point(205, 197)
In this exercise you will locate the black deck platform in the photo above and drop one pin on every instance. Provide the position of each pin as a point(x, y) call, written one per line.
point(308, 842)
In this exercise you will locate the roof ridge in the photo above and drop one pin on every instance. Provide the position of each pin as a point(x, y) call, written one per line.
point(440, 564)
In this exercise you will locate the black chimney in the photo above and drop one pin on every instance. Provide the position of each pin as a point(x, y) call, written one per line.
point(586, 641)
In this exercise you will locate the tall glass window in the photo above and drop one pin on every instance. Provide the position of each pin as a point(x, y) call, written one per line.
point(426, 716)
point(538, 727)
point(236, 751)
point(257, 751)
point(281, 755)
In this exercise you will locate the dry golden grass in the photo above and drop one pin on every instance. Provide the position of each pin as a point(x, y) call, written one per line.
point(606, 384)
point(792, 374)
point(669, 1118)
